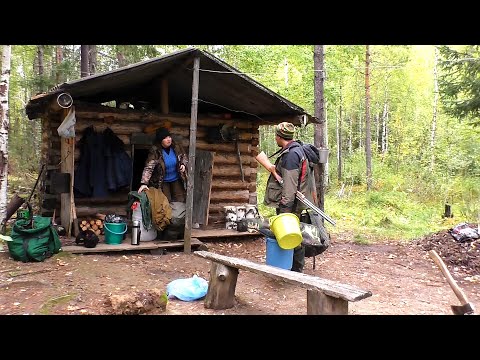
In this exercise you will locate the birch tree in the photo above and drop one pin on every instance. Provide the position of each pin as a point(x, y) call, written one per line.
point(368, 150)
point(4, 126)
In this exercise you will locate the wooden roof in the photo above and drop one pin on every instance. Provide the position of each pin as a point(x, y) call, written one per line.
point(222, 88)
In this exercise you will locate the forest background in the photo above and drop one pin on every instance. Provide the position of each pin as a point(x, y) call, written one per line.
point(422, 112)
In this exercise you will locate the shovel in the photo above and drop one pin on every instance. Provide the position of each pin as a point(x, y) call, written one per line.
point(466, 308)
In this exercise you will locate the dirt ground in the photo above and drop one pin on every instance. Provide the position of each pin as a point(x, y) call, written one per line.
point(402, 277)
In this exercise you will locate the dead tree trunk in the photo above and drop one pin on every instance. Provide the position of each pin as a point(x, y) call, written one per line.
point(92, 59)
point(59, 59)
point(319, 134)
point(84, 60)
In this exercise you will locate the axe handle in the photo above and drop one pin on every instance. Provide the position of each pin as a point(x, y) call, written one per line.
point(451, 281)
point(239, 159)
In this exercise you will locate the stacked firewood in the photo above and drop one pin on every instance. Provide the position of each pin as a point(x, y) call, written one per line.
point(92, 224)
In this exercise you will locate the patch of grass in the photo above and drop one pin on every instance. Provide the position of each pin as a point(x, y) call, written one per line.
point(360, 239)
point(47, 307)
point(403, 205)
point(64, 255)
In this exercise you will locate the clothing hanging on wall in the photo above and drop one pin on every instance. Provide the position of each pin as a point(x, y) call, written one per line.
point(104, 166)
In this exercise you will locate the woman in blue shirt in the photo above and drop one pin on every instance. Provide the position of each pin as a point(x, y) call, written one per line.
point(166, 167)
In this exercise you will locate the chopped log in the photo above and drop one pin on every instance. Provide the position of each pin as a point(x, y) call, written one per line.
point(221, 287)
point(138, 302)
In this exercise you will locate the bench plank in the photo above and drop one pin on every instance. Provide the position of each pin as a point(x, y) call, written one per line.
point(309, 282)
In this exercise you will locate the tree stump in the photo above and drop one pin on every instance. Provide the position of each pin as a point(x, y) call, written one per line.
point(221, 287)
point(448, 211)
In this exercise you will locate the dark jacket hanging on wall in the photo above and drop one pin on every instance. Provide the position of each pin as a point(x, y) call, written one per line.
point(104, 166)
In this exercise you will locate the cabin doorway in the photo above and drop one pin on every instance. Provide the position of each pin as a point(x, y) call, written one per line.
point(140, 154)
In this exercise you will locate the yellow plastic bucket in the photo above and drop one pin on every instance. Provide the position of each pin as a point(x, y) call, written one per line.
point(286, 228)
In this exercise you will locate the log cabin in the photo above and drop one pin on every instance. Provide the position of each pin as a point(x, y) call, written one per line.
point(210, 107)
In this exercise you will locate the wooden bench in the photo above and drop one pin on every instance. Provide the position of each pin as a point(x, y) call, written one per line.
point(323, 296)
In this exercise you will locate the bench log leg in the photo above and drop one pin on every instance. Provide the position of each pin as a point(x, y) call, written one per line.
point(221, 287)
point(320, 304)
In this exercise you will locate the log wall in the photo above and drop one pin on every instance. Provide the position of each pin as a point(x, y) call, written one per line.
point(227, 185)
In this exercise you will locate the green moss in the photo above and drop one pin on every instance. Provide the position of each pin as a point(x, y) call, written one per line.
point(47, 307)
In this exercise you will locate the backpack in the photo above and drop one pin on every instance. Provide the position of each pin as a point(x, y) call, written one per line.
point(33, 239)
point(315, 237)
point(88, 238)
point(312, 153)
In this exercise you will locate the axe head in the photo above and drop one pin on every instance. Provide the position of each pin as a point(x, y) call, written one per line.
point(465, 309)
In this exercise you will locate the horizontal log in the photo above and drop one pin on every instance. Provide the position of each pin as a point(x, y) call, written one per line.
point(146, 118)
point(123, 128)
point(127, 128)
point(227, 196)
point(55, 154)
point(84, 211)
point(83, 107)
point(229, 184)
point(117, 198)
point(231, 158)
point(245, 148)
point(230, 171)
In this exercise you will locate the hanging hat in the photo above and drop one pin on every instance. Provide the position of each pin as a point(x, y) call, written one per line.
point(161, 134)
point(285, 130)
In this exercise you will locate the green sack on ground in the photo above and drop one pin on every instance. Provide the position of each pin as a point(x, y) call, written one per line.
point(33, 243)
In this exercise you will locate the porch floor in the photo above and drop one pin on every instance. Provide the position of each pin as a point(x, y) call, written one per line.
point(156, 246)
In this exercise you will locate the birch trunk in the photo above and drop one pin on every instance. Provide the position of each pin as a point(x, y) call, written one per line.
point(4, 127)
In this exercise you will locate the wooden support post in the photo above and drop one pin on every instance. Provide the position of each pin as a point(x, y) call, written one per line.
point(320, 304)
point(66, 166)
point(187, 247)
point(221, 287)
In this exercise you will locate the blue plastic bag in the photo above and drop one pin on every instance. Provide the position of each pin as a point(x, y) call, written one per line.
point(187, 289)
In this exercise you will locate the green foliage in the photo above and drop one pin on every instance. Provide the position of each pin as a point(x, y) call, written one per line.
point(262, 177)
point(460, 82)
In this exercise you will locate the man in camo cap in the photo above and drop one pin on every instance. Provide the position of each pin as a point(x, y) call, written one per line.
point(293, 166)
